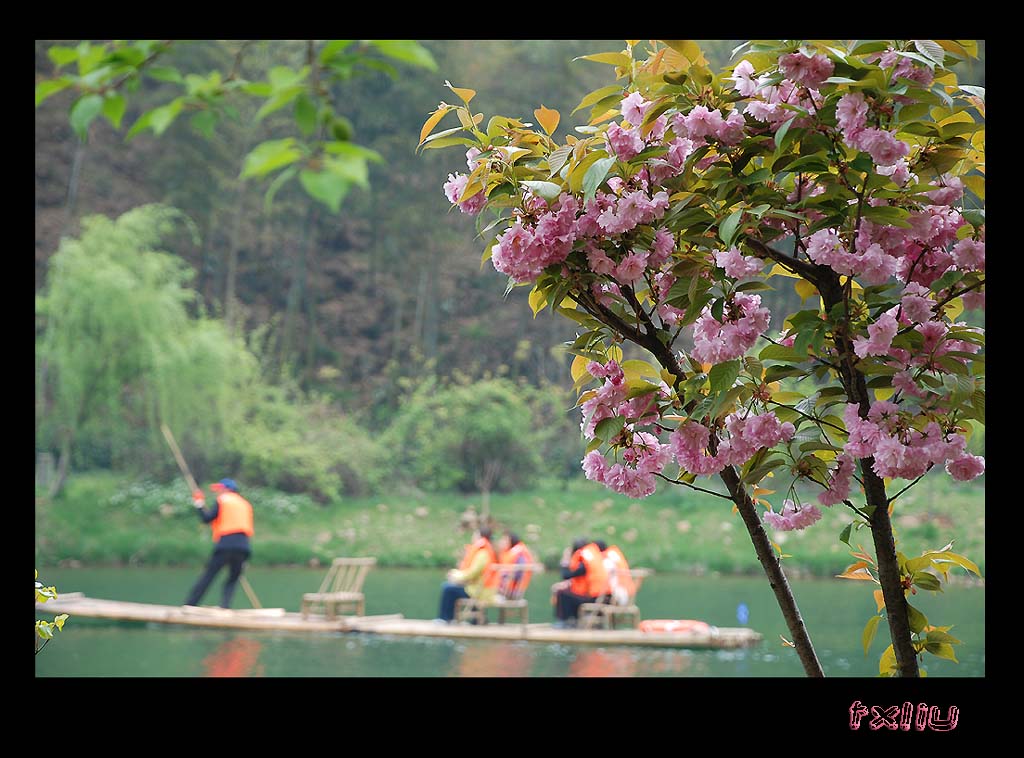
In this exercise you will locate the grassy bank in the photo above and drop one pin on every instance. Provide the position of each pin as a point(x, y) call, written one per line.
point(103, 518)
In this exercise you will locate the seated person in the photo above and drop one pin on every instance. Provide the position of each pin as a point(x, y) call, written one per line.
point(585, 580)
point(468, 579)
point(511, 550)
point(621, 586)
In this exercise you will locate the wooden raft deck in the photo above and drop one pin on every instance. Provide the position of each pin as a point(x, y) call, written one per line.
point(272, 619)
point(277, 619)
point(717, 638)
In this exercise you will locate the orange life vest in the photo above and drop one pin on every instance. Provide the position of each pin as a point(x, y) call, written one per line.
point(620, 581)
point(514, 584)
point(473, 549)
point(234, 514)
point(594, 582)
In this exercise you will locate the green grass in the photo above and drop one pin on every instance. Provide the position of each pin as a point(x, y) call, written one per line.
point(102, 518)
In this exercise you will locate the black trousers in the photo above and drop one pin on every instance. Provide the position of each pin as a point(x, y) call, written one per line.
point(567, 604)
point(234, 560)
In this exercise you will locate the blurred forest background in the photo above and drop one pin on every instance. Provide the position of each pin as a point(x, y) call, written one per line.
point(331, 354)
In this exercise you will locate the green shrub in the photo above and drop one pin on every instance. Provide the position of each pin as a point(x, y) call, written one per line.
point(466, 436)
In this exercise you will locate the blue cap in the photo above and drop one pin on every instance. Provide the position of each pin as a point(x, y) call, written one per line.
point(228, 484)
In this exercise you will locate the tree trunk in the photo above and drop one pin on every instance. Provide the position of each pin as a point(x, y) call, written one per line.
point(762, 545)
point(231, 275)
point(62, 468)
point(896, 611)
point(311, 299)
point(773, 569)
point(71, 204)
point(297, 291)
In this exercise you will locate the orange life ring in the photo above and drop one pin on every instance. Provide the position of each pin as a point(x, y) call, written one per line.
point(674, 625)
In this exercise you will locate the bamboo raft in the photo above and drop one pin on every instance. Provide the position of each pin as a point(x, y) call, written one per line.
point(278, 619)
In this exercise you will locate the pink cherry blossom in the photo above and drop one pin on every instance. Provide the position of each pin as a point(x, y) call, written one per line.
point(807, 70)
point(741, 75)
point(839, 485)
point(966, 467)
point(631, 268)
point(736, 264)
point(879, 339)
point(851, 114)
point(969, 255)
point(625, 144)
point(634, 107)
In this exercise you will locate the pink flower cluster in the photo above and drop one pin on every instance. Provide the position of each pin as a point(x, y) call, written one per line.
point(792, 517)
point(806, 70)
point(902, 452)
point(768, 101)
point(875, 265)
point(737, 265)
point(453, 190)
point(525, 250)
point(839, 484)
point(701, 123)
point(851, 115)
point(644, 458)
point(747, 435)
point(716, 341)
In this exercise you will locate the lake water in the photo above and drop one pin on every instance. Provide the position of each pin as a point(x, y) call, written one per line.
point(835, 611)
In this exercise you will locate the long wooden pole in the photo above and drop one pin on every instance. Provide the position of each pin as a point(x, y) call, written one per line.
point(195, 487)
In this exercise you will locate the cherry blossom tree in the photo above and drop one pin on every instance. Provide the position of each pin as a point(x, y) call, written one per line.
point(853, 171)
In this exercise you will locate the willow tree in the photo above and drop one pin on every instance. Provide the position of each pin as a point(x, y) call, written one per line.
point(854, 171)
point(119, 347)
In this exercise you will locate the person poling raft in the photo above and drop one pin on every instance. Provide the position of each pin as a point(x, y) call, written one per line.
point(236, 521)
point(231, 522)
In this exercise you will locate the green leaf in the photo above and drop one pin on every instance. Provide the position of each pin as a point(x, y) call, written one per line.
point(50, 87)
point(918, 621)
point(723, 375)
point(278, 100)
point(113, 109)
point(927, 581)
point(161, 118)
point(305, 114)
point(976, 91)
point(165, 74)
point(595, 175)
point(279, 181)
point(407, 51)
point(781, 353)
point(941, 650)
point(62, 56)
point(598, 95)
point(886, 215)
point(325, 186)
point(607, 428)
point(937, 635)
point(844, 536)
point(270, 156)
point(758, 473)
point(957, 559)
point(83, 112)
point(204, 122)
point(334, 47)
point(931, 50)
point(868, 635)
point(887, 665)
point(727, 229)
point(612, 59)
point(546, 190)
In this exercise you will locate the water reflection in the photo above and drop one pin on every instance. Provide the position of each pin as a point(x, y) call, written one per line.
point(600, 662)
point(494, 660)
point(234, 658)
